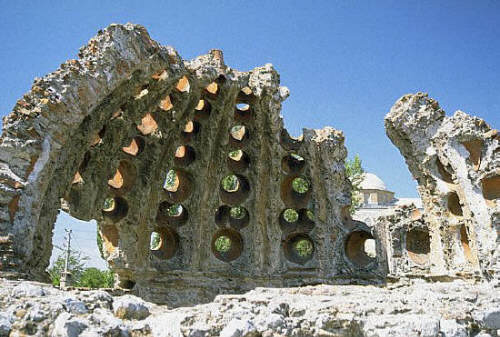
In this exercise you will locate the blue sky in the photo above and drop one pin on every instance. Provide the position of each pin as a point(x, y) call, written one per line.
point(346, 63)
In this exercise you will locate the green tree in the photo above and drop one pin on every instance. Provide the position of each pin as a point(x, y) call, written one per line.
point(96, 278)
point(355, 172)
point(230, 183)
point(155, 242)
point(223, 244)
point(80, 275)
point(76, 266)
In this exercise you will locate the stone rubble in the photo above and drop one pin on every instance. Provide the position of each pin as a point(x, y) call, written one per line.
point(406, 308)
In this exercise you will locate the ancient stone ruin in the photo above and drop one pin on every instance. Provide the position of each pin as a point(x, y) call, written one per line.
point(195, 154)
point(456, 162)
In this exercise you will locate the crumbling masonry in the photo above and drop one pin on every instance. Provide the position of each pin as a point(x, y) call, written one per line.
point(194, 155)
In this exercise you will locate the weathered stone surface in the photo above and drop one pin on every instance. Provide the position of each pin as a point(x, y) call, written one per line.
point(99, 136)
point(130, 307)
point(403, 309)
point(456, 162)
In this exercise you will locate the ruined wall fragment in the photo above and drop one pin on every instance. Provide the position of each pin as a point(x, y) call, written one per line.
point(456, 162)
point(191, 155)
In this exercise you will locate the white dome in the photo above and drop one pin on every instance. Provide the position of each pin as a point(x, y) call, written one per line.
point(372, 182)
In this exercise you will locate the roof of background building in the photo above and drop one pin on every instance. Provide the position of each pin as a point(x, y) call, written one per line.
point(408, 201)
point(372, 182)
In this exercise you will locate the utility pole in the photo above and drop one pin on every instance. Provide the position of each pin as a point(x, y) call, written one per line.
point(65, 274)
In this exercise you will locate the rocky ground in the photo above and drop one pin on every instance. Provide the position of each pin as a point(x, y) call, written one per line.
point(419, 308)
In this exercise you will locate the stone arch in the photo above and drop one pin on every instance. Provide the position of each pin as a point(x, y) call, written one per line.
point(101, 135)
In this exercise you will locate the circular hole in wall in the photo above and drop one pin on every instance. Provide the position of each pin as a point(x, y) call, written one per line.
point(306, 220)
point(293, 164)
point(288, 219)
point(298, 248)
point(246, 95)
point(124, 177)
point(355, 249)
point(141, 91)
point(300, 185)
point(110, 237)
point(295, 192)
point(238, 161)
point(238, 136)
point(168, 244)
point(227, 244)
point(166, 103)
point(234, 189)
point(464, 240)
point(242, 112)
point(115, 208)
point(148, 125)
point(178, 185)
point(173, 214)
point(184, 155)
point(418, 245)
point(454, 204)
point(238, 217)
point(126, 284)
point(191, 129)
point(183, 84)
point(212, 89)
point(135, 147)
point(202, 110)
point(222, 216)
point(155, 242)
point(290, 143)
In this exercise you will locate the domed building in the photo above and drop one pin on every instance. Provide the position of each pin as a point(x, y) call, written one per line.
point(374, 191)
point(378, 200)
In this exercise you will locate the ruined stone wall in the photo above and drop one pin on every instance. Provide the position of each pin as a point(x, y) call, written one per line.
point(144, 142)
point(456, 162)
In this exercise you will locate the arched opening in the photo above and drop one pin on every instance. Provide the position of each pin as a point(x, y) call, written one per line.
point(89, 247)
point(355, 249)
point(418, 245)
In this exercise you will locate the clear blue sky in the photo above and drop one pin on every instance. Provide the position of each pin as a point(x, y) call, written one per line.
point(345, 63)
